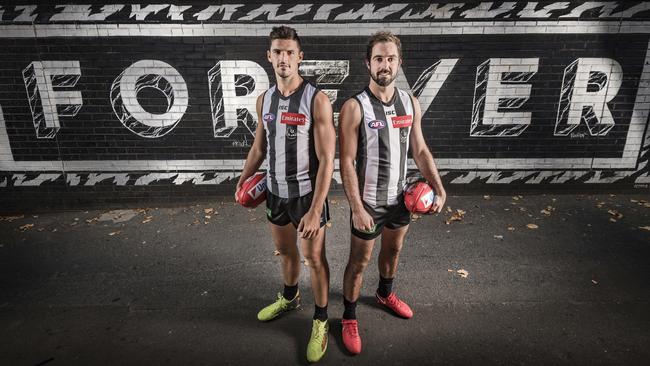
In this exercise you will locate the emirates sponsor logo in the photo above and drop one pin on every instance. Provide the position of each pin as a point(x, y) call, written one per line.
point(294, 119)
point(402, 121)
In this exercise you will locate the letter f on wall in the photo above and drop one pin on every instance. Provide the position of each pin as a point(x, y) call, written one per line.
point(46, 105)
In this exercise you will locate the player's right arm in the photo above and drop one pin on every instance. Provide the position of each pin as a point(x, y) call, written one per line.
point(257, 152)
point(349, 123)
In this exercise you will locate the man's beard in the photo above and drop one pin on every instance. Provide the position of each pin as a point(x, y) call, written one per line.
point(284, 73)
point(384, 80)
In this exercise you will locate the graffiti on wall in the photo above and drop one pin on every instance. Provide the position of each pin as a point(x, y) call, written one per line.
point(542, 93)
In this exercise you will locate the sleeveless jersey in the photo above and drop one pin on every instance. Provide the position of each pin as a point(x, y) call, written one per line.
point(290, 151)
point(383, 146)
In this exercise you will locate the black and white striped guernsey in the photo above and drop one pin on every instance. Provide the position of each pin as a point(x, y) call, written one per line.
point(383, 146)
point(290, 149)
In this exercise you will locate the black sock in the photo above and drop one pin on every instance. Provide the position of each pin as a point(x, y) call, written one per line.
point(290, 292)
point(320, 313)
point(350, 311)
point(385, 286)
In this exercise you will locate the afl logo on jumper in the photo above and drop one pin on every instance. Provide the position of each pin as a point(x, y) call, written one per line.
point(269, 117)
point(377, 124)
point(402, 121)
point(294, 119)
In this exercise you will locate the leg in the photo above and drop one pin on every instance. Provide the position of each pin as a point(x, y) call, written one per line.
point(360, 251)
point(314, 252)
point(284, 238)
point(391, 245)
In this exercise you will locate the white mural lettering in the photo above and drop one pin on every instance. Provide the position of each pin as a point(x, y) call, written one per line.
point(587, 86)
point(501, 84)
point(228, 108)
point(46, 104)
point(149, 74)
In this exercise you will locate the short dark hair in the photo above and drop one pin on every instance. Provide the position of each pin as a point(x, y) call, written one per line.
point(380, 37)
point(284, 32)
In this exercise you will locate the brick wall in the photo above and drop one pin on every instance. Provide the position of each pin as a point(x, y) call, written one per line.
point(105, 103)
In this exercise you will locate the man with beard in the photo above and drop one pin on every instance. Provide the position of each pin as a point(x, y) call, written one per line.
point(295, 132)
point(375, 129)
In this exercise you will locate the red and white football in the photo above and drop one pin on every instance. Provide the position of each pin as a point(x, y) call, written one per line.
point(419, 197)
point(252, 191)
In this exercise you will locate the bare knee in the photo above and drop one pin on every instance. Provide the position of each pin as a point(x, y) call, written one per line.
point(314, 260)
point(356, 267)
point(392, 250)
point(286, 251)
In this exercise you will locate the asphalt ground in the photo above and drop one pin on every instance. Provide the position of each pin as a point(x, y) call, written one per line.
point(523, 280)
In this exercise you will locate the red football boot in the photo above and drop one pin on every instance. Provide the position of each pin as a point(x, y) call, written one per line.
point(394, 303)
point(351, 338)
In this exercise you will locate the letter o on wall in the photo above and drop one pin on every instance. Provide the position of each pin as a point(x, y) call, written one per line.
point(149, 74)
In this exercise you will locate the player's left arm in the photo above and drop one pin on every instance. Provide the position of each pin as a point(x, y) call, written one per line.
point(424, 159)
point(325, 145)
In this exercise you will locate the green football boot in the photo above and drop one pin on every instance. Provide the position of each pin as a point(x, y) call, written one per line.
point(280, 306)
point(318, 342)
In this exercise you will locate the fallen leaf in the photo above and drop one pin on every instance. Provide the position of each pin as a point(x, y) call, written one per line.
point(26, 227)
point(329, 224)
point(450, 270)
point(612, 219)
point(594, 282)
point(546, 212)
point(647, 204)
point(456, 216)
point(11, 218)
point(463, 273)
point(633, 200)
point(208, 211)
point(208, 216)
point(334, 202)
point(449, 209)
point(486, 197)
point(615, 213)
point(41, 229)
point(532, 226)
point(516, 198)
point(306, 262)
point(600, 204)
point(114, 233)
point(498, 237)
point(511, 228)
point(644, 228)
point(276, 252)
point(147, 219)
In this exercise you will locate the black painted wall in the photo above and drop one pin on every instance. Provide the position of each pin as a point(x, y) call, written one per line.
point(497, 81)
